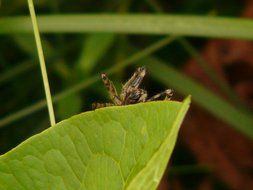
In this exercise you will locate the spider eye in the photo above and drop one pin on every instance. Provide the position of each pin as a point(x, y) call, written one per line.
point(140, 69)
point(103, 76)
point(169, 91)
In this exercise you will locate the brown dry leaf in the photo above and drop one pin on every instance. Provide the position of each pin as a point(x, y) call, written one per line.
point(213, 142)
point(228, 153)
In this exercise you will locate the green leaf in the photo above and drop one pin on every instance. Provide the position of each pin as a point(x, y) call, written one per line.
point(125, 147)
point(188, 25)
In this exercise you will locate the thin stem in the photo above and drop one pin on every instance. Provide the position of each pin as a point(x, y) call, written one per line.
point(42, 62)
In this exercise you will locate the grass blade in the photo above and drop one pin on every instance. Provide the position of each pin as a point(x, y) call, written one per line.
point(15, 71)
point(210, 72)
point(187, 25)
point(92, 52)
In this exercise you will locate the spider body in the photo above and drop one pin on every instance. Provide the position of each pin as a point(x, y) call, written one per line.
point(130, 93)
point(135, 96)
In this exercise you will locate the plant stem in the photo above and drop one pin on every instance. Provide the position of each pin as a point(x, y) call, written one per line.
point(42, 62)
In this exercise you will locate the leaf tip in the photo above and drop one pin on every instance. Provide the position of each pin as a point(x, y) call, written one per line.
point(187, 100)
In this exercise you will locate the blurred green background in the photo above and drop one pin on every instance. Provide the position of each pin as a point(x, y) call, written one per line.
point(214, 150)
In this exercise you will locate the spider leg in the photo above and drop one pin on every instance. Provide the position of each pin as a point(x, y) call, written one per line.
point(136, 78)
point(97, 105)
point(167, 93)
point(143, 97)
point(133, 83)
point(111, 89)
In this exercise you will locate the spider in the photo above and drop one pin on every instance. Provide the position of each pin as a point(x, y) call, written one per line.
point(130, 93)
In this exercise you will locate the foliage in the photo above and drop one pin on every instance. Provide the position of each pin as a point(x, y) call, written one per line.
point(124, 147)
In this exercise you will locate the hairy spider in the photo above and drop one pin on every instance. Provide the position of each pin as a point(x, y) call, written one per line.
point(130, 93)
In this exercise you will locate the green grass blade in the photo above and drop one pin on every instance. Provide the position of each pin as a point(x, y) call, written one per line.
point(15, 71)
point(210, 72)
point(42, 63)
point(98, 150)
point(95, 47)
point(219, 107)
point(201, 26)
point(23, 113)
point(26, 43)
